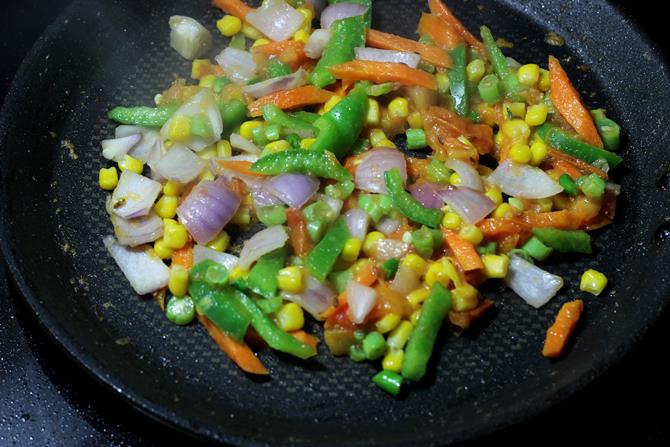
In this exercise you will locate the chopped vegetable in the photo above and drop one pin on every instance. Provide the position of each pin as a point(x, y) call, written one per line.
point(407, 204)
point(559, 333)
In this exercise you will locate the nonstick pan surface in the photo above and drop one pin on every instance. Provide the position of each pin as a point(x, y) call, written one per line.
point(99, 54)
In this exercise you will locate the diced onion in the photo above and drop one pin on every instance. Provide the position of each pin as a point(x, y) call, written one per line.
point(145, 271)
point(239, 142)
point(390, 249)
point(317, 43)
point(405, 280)
point(315, 299)
point(361, 300)
point(470, 178)
point(189, 37)
point(401, 57)
point(520, 180)
point(472, 206)
point(357, 222)
point(272, 85)
point(276, 19)
point(340, 11)
point(138, 231)
point(293, 189)
point(238, 65)
point(531, 283)
point(370, 172)
point(202, 253)
point(428, 194)
point(202, 106)
point(262, 243)
point(134, 195)
point(387, 225)
point(116, 148)
point(179, 164)
point(149, 138)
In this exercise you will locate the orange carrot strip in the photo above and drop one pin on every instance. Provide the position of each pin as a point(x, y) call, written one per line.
point(569, 103)
point(565, 167)
point(441, 32)
point(563, 219)
point(432, 54)
point(278, 47)
point(306, 338)
point(581, 165)
point(238, 351)
point(380, 72)
point(440, 9)
point(184, 256)
point(291, 99)
point(300, 240)
point(367, 275)
point(344, 87)
point(464, 252)
point(494, 228)
point(559, 333)
point(240, 166)
point(233, 7)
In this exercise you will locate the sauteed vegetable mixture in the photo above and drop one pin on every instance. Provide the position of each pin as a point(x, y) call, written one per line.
point(384, 179)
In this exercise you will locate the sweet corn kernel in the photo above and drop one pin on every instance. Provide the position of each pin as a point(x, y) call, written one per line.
point(455, 179)
point(451, 221)
point(175, 235)
point(387, 143)
point(250, 32)
point(545, 81)
point(593, 282)
point(208, 152)
point(277, 146)
point(290, 317)
point(393, 360)
point(229, 25)
point(442, 83)
point(260, 42)
point(414, 318)
point(516, 130)
point(207, 81)
point(520, 153)
point(237, 273)
point(224, 149)
point(416, 263)
point(373, 118)
point(206, 174)
point(387, 323)
point(291, 279)
point(537, 114)
point(220, 242)
point(306, 143)
point(198, 66)
point(498, 138)
point(162, 250)
point(332, 102)
point(538, 151)
point(178, 280)
point(399, 336)
point(418, 296)
point(242, 216)
point(301, 36)
point(415, 120)
point(351, 250)
point(399, 108)
point(514, 110)
point(464, 298)
point(495, 266)
point(180, 128)
point(475, 70)
point(503, 210)
point(471, 234)
point(247, 127)
point(166, 207)
point(546, 205)
point(172, 188)
point(370, 243)
point(131, 164)
point(494, 193)
point(108, 178)
point(439, 271)
point(308, 17)
point(529, 74)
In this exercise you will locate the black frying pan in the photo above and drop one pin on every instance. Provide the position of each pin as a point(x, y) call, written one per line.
point(100, 53)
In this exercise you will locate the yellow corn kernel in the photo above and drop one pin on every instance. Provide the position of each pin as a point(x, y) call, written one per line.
point(206, 174)
point(498, 138)
point(178, 280)
point(414, 318)
point(529, 74)
point(546, 205)
point(516, 130)
point(416, 263)
point(545, 81)
point(290, 317)
point(224, 149)
point(260, 42)
point(168, 144)
point(464, 298)
point(399, 336)
point(250, 32)
point(108, 178)
point(237, 273)
point(180, 128)
point(229, 25)
point(537, 114)
point(166, 207)
point(351, 250)
point(495, 266)
point(484, 171)
point(439, 271)
point(503, 210)
point(455, 178)
point(442, 83)
point(538, 152)
point(387, 323)
point(277, 146)
point(220, 242)
point(415, 120)
point(377, 136)
point(520, 153)
point(393, 360)
point(370, 243)
point(514, 110)
point(247, 127)
point(451, 221)
point(198, 66)
point(131, 164)
point(172, 188)
point(301, 36)
point(291, 279)
point(162, 250)
point(494, 193)
point(374, 116)
point(471, 234)
point(332, 102)
point(475, 70)
point(593, 282)
point(308, 17)
point(208, 152)
point(306, 143)
point(399, 108)
point(175, 235)
point(418, 296)
point(241, 217)
point(207, 81)
point(387, 143)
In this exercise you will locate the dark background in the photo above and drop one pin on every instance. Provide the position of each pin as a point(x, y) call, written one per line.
point(45, 399)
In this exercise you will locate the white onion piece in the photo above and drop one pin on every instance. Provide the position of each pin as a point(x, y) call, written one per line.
point(138, 231)
point(317, 43)
point(276, 19)
point(370, 172)
point(116, 148)
point(145, 271)
point(405, 280)
point(202, 105)
point(333, 203)
point(202, 253)
point(272, 85)
point(427, 193)
point(293, 189)
point(157, 152)
point(386, 225)
point(262, 243)
point(179, 164)
point(357, 222)
point(207, 209)
point(531, 283)
point(134, 195)
point(340, 11)
point(361, 300)
point(521, 180)
point(238, 65)
point(189, 37)
point(143, 149)
point(611, 186)
point(239, 142)
point(389, 249)
point(315, 299)
point(471, 205)
point(470, 178)
point(262, 196)
point(400, 57)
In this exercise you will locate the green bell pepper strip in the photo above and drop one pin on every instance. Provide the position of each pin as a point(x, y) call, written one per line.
point(487, 249)
point(422, 339)
point(270, 305)
point(308, 117)
point(407, 204)
point(390, 268)
point(276, 68)
point(258, 136)
point(564, 241)
point(388, 381)
point(591, 185)
point(274, 115)
point(368, 3)
point(340, 190)
point(375, 205)
point(508, 78)
point(379, 89)
point(320, 164)
point(426, 240)
point(438, 172)
point(458, 80)
point(341, 278)
point(233, 113)
point(536, 249)
point(220, 83)
point(271, 215)
point(560, 140)
point(416, 139)
point(270, 332)
point(340, 127)
point(610, 131)
point(318, 216)
point(357, 354)
point(345, 36)
point(262, 278)
point(322, 258)
point(143, 116)
point(568, 185)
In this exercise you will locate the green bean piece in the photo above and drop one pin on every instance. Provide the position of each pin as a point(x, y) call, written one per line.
point(565, 241)
point(180, 310)
point(374, 345)
point(416, 139)
point(271, 215)
point(407, 204)
point(143, 116)
point(560, 140)
point(388, 381)
point(489, 89)
point(510, 83)
point(458, 84)
point(320, 164)
point(591, 185)
point(568, 185)
point(536, 249)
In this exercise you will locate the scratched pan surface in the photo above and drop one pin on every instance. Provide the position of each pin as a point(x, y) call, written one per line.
point(102, 53)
